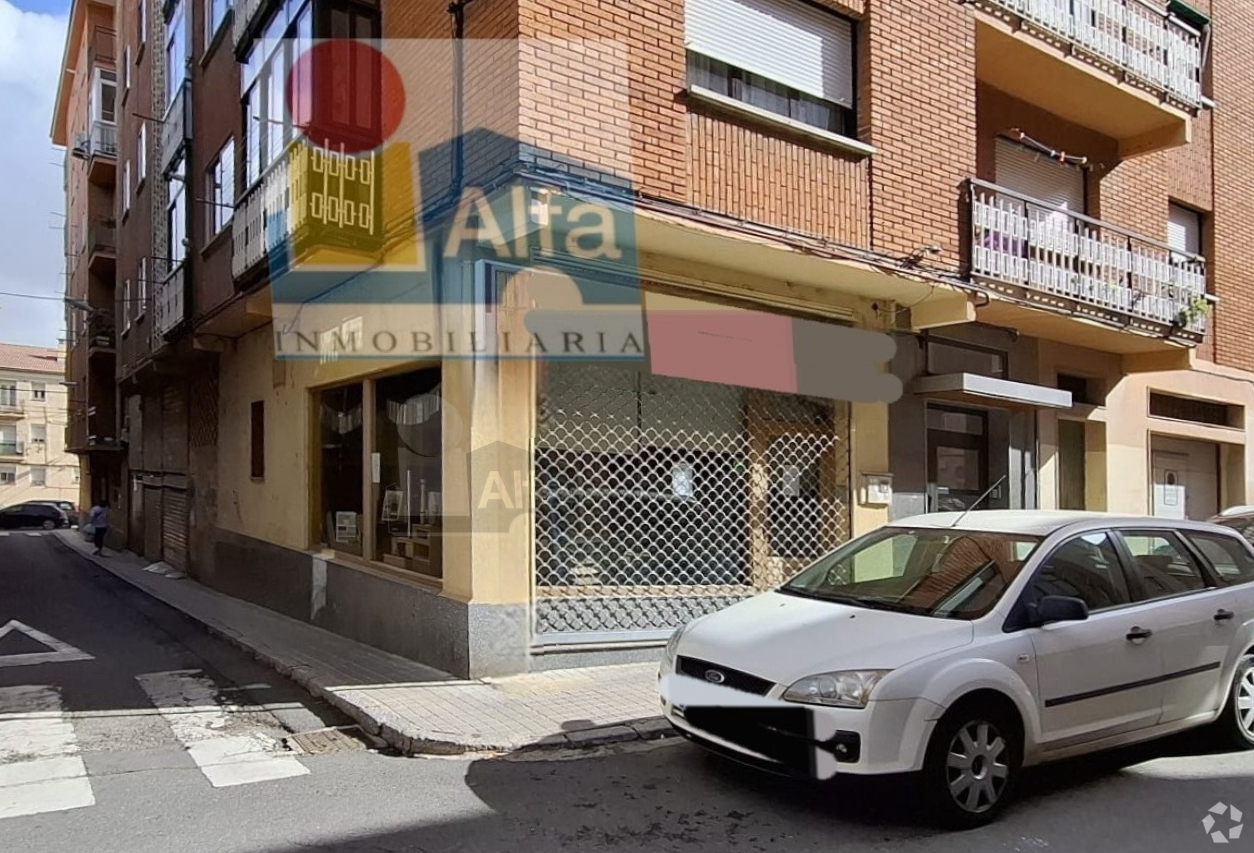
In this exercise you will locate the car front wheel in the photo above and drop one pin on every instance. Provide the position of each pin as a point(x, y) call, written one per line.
point(49, 524)
point(1236, 724)
point(972, 765)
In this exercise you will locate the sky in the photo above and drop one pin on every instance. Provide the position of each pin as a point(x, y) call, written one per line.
point(32, 40)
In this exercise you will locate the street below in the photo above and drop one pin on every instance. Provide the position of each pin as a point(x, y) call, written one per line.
point(125, 727)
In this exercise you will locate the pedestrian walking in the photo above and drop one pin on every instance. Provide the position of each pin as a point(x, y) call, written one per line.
point(99, 521)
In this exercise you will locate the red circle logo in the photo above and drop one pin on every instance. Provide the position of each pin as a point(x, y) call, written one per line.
point(345, 95)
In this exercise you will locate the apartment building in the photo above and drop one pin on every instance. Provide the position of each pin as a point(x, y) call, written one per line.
point(85, 123)
point(1026, 218)
point(34, 464)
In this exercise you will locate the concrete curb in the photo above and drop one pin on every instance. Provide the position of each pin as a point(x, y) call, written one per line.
point(398, 733)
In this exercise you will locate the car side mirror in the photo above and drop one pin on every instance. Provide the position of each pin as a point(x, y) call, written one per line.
point(1060, 608)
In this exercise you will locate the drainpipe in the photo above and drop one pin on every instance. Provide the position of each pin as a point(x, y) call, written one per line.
point(458, 10)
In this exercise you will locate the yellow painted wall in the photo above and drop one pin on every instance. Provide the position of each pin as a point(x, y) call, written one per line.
point(1118, 458)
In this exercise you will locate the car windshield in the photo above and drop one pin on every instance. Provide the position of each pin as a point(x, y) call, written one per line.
point(954, 574)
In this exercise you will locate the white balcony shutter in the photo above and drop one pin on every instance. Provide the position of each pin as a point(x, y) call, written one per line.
point(1033, 174)
point(785, 41)
point(1184, 230)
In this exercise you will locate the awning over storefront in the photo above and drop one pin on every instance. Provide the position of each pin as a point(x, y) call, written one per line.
point(986, 390)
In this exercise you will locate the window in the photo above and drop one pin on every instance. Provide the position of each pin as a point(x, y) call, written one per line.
point(126, 306)
point(407, 442)
point(141, 295)
point(175, 53)
point(268, 126)
point(257, 455)
point(221, 182)
point(215, 14)
point(342, 445)
point(104, 96)
point(782, 56)
point(38, 434)
point(176, 216)
point(8, 395)
point(126, 70)
point(38, 391)
point(1162, 565)
point(1231, 561)
point(1080, 387)
point(38, 475)
point(141, 22)
point(126, 187)
point(8, 441)
point(1195, 410)
point(1086, 568)
point(1184, 230)
point(8, 475)
point(946, 357)
point(956, 574)
point(141, 156)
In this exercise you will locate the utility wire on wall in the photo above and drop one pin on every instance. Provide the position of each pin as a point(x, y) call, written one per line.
point(1052, 153)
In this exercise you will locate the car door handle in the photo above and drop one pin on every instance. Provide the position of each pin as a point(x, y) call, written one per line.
point(1224, 615)
point(1140, 634)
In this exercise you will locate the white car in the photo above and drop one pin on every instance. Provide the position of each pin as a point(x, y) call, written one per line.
point(965, 647)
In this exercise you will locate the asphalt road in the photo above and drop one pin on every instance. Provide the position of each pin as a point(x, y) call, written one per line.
point(146, 717)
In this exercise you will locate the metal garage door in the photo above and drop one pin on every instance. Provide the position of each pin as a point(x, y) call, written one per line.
point(152, 523)
point(174, 528)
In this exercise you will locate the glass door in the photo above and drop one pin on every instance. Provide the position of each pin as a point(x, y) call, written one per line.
point(957, 458)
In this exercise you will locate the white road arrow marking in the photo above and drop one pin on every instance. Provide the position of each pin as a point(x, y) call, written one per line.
point(58, 652)
point(40, 769)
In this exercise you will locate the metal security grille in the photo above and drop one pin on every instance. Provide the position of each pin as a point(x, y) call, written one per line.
point(659, 499)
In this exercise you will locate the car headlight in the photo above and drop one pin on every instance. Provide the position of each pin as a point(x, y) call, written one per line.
point(672, 647)
point(846, 689)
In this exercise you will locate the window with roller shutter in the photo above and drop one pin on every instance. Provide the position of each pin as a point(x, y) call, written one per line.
point(785, 57)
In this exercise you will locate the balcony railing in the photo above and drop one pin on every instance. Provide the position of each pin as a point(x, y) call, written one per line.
point(263, 204)
point(100, 333)
point(1144, 43)
point(168, 305)
point(1077, 263)
point(11, 448)
point(100, 140)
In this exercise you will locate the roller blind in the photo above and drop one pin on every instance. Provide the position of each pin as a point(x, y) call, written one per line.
point(785, 41)
point(1184, 230)
point(1032, 174)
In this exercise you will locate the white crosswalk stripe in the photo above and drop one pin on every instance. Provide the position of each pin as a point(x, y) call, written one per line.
point(3, 533)
point(226, 748)
point(40, 768)
point(33, 533)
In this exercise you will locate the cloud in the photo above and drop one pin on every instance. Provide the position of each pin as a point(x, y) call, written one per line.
point(31, 46)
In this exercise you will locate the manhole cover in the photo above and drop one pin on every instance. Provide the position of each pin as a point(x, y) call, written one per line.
point(339, 739)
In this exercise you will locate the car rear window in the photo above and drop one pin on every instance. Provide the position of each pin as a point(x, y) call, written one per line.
point(1231, 560)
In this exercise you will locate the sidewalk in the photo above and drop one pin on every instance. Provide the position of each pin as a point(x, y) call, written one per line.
point(414, 708)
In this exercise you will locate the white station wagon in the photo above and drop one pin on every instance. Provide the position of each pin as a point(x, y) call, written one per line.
point(965, 647)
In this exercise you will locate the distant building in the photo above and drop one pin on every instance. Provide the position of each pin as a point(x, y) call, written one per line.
point(34, 464)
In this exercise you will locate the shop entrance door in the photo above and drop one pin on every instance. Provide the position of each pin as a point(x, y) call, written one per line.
point(957, 458)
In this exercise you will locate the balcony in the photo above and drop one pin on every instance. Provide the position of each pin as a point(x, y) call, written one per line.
point(11, 450)
point(98, 145)
point(1030, 255)
point(176, 129)
point(1124, 68)
point(168, 305)
point(100, 335)
point(101, 249)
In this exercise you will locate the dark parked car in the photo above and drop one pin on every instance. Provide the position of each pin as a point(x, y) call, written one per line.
point(33, 514)
point(71, 511)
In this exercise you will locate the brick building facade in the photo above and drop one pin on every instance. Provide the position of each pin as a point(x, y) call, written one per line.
point(1043, 224)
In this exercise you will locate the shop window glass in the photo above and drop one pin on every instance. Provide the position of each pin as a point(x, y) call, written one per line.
point(342, 434)
point(407, 452)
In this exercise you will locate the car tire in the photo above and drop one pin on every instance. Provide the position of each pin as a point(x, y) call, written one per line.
point(972, 766)
point(1235, 725)
point(49, 524)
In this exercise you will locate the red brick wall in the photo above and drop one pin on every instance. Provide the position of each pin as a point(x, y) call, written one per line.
point(922, 121)
point(1233, 78)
